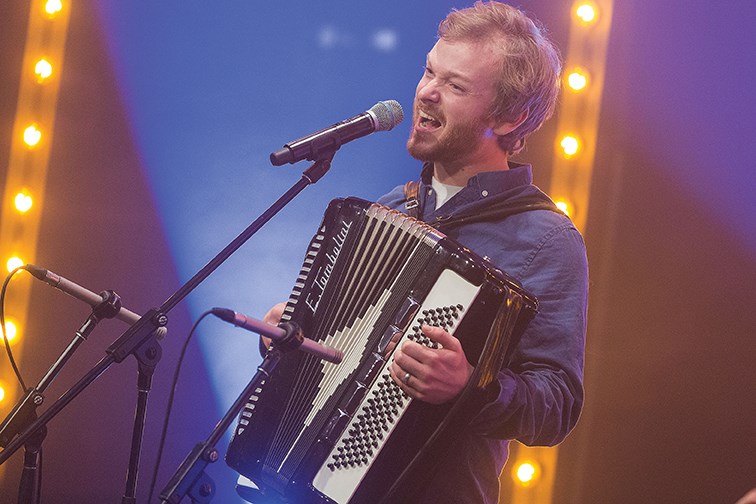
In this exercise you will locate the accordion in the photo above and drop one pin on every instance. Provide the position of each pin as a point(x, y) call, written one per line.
point(321, 432)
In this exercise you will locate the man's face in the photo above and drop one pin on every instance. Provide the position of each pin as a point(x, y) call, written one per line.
point(450, 114)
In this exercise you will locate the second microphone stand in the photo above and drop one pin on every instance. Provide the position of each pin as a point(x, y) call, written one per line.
point(141, 342)
point(25, 411)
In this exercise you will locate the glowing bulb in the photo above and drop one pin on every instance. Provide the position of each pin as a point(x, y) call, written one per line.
point(10, 330)
point(570, 145)
point(2, 393)
point(23, 202)
point(526, 473)
point(32, 135)
point(564, 206)
point(52, 7)
point(43, 70)
point(13, 263)
point(577, 80)
point(586, 12)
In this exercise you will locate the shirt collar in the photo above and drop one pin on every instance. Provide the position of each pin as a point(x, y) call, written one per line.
point(497, 182)
point(494, 182)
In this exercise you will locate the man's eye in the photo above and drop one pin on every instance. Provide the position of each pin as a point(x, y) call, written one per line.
point(456, 87)
point(427, 71)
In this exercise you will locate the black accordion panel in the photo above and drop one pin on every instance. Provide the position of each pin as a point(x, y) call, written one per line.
point(321, 432)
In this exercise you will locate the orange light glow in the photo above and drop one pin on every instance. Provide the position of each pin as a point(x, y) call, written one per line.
point(526, 473)
point(564, 206)
point(11, 331)
point(577, 80)
point(586, 12)
point(32, 135)
point(53, 7)
point(13, 263)
point(23, 202)
point(43, 70)
point(570, 145)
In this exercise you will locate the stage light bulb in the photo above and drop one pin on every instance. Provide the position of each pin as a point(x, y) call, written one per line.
point(10, 330)
point(526, 473)
point(23, 202)
point(13, 263)
point(570, 145)
point(586, 12)
point(43, 70)
point(2, 393)
point(564, 206)
point(52, 7)
point(577, 80)
point(32, 135)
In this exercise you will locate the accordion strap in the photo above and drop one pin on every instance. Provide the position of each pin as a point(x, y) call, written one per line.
point(411, 197)
point(497, 211)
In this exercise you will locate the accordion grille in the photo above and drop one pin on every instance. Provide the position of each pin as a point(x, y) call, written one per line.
point(346, 311)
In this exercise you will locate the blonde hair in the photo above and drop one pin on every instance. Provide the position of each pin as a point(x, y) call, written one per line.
point(529, 78)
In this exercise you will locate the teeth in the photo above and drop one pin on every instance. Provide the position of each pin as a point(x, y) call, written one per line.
point(426, 116)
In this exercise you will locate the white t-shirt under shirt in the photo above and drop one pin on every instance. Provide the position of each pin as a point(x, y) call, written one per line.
point(444, 192)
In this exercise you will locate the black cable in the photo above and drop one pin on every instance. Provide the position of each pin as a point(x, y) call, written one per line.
point(2, 326)
point(169, 407)
point(15, 367)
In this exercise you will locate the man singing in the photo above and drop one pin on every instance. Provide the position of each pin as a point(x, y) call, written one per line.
point(491, 79)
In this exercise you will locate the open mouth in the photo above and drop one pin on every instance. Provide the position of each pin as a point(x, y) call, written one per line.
point(427, 122)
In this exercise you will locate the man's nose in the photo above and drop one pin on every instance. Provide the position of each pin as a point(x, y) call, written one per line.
point(429, 91)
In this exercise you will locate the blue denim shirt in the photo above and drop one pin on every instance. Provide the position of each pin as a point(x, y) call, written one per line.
point(539, 394)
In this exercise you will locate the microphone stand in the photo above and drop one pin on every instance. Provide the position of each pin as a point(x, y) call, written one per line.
point(140, 340)
point(190, 478)
point(25, 410)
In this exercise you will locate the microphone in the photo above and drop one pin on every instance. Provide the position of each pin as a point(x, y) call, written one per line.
point(284, 336)
point(86, 295)
point(383, 116)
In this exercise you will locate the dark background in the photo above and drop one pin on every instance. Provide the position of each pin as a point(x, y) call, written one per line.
point(671, 238)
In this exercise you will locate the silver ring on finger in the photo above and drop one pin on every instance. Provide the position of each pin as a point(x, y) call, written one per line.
point(406, 378)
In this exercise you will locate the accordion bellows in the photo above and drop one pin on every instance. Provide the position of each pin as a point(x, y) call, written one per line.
point(322, 432)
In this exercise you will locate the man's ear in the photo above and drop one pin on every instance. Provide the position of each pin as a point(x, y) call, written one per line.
point(502, 129)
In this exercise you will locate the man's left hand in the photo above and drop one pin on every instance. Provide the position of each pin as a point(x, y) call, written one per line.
point(436, 375)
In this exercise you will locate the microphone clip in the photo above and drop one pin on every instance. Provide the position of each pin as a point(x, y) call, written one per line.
point(292, 339)
point(108, 307)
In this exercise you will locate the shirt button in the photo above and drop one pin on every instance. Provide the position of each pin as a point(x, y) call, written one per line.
point(484, 193)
